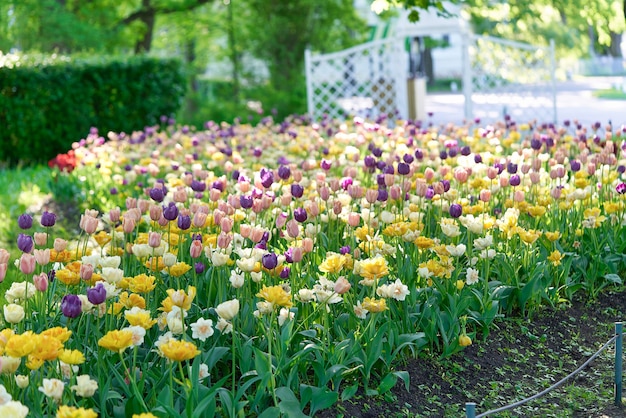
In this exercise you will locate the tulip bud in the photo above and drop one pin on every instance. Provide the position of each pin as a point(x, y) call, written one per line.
point(342, 285)
point(40, 238)
point(196, 248)
point(59, 245)
point(154, 239)
point(42, 256)
point(128, 224)
point(27, 263)
point(41, 282)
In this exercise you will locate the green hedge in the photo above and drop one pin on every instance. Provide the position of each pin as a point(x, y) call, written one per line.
point(46, 104)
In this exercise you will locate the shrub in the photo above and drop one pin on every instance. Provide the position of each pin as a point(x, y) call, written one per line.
point(47, 103)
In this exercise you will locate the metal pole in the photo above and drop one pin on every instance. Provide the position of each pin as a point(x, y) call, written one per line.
point(618, 364)
point(470, 409)
point(553, 79)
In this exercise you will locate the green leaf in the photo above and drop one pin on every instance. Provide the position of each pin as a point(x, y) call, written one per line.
point(271, 412)
point(349, 392)
point(613, 278)
point(320, 397)
point(406, 378)
point(387, 383)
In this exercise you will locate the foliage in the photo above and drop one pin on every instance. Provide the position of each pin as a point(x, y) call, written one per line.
point(47, 103)
point(277, 268)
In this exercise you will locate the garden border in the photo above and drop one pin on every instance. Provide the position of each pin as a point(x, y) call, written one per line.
point(470, 407)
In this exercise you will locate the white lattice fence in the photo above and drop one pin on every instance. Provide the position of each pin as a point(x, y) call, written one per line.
point(512, 78)
point(366, 80)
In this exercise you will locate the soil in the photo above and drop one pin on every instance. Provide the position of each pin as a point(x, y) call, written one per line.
point(518, 359)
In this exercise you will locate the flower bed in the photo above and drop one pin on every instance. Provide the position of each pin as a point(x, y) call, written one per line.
point(279, 268)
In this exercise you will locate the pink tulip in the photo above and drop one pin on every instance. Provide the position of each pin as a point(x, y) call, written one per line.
point(27, 263)
point(3, 271)
point(59, 244)
point(4, 256)
point(86, 272)
point(41, 282)
point(196, 248)
point(41, 238)
point(42, 256)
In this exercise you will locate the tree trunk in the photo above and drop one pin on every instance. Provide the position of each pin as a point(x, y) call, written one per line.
point(147, 18)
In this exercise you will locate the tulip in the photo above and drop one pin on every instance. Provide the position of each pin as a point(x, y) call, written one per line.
point(59, 244)
point(154, 239)
point(3, 271)
point(42, 256)
point(25, 243)
point(71, 306)
point(170, 212)
point(41, 282)
point(157, 194)
point(228, 310)
point(27, 263)
point(86, 272)
point(4, 256)
point(13, 313)
point(456, 210)
point(48, 219)
point(114, 215)
point(25, 221)
point(97, 294)
point(269, 261)
point(184, 222)
point(342, 286)
point(300, 215)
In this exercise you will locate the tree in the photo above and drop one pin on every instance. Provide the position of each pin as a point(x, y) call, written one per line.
point(278, 33)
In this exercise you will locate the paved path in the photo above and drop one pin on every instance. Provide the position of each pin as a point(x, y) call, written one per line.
point(575, 101)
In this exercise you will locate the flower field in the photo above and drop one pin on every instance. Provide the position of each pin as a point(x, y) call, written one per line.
point(279, 268)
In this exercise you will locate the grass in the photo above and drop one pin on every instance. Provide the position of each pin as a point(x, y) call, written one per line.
point(611, 94)
point(24, 190)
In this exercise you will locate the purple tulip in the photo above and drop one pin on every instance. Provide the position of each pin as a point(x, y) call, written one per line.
point(535, 144)
point(267, 177)
point(446, 185)
point(478, 158)
point(25, 221)
point(369, 161)
point(48, 219)
point(575, 165)
point(245, 201)
point(326, 164)
point(465, 151)
point(430, 193)
point(269, 261)
point(284, 274)
point(511, 168)
point(97, 294)
point(284, 172)
point(419, 154)
point(621, 188)
point(299, 214)
point(289, 255)
point(408, 158)
point(184, 222)
point(344, 250)
point(71, 306)
point(170, 212)
point(515, 180)
point(198, 186)
point(383, 195)
point(157, 194)
point(297, 190)
point(403, 169)
point(199, 267)
point(25, 243)
point(456, 210)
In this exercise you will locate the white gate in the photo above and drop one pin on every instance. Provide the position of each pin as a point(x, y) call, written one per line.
point(500, 77)
point(507, 78)
point(367, 80)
